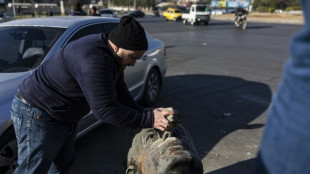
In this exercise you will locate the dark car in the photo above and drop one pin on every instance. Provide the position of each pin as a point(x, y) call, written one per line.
point(136, 14)
point(156, 13)
point(230, 10)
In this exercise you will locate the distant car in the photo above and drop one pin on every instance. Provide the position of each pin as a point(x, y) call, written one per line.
point(4, 17)
point(136, 14)
point(218, 11)
point(156, 13)
point(29, 42)
point(107, 13)
point(230, 10)
point(77, 12)
point(172, 14)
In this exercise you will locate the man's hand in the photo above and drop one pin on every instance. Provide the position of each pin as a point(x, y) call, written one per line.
point(160, 120)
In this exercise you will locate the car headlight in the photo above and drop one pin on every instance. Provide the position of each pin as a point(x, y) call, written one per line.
point(154, 53)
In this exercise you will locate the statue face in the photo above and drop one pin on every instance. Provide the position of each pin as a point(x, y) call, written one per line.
point(169, 152)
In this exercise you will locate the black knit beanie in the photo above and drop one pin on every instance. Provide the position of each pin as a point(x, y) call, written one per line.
point(129, 35)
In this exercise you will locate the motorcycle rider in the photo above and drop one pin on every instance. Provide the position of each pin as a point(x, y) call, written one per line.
point(238, 13)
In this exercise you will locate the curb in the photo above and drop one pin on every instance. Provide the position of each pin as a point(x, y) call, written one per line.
point(256, 19)
point(262, 20)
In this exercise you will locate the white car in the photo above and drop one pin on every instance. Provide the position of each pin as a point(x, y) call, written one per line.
point(198, 13)
point(218, 11)
point(107, 13)
point(25, 44)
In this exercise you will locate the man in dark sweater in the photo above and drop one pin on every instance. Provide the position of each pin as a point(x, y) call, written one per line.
point(86, 74)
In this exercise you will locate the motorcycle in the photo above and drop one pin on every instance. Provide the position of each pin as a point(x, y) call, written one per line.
point(240, 21)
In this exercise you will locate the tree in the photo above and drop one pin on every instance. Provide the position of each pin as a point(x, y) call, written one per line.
point(256, 3)
point(277, 4)
point(273, 3)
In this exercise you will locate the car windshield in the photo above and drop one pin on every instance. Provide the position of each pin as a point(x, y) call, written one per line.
point(106, 12)
point(23, 48)
point(177, 11)
point(1, 15)
point(202, 8)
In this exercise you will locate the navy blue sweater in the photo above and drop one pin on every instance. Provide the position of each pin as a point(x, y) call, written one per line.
point(82, 76)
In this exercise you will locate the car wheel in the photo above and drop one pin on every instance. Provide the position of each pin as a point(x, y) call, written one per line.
point(245, 24)
point(192, 22)
point(152, 88)
point(166, 19)
point(8, 152)
point(206, 23)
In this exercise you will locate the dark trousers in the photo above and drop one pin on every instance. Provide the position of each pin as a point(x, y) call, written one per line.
point(259, 166)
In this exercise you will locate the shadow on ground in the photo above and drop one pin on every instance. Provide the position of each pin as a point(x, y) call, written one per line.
point(221, 23)
point(257, 27)
point(208, 104)
point(235, 168)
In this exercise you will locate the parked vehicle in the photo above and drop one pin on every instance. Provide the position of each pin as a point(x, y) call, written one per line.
point(136, 14)
point(230, 10)
point(198, 13)
point(172, 14)
point(30, 42)
point(218, 11)
point(107, 13)
point(156, 13)
point(240, 21)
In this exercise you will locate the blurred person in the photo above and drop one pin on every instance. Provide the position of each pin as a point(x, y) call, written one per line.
point(87, 74)
point(240, 15)
point(240, 11)
point(93, 12)
point(285, 144)
point(77, 10)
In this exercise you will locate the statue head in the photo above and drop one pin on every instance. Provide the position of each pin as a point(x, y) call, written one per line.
point(168, 152)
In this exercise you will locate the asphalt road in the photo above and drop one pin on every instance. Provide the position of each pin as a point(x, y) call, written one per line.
point(221, 79)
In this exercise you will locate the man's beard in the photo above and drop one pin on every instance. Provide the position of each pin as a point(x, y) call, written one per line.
point(119, 62)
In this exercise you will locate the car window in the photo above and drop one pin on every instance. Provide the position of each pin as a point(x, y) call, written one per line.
point(177, 11)
point(106, 12)
point(23, 48)
point(201, 8)
point(94, 29)
point(107, 28)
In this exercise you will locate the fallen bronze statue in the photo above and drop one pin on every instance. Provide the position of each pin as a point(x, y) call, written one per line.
point(169, 152)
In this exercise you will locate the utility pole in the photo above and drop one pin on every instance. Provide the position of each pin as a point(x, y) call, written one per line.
point(135, 5)
point(62, 8)
point(108, 3)
point(13, 4)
